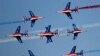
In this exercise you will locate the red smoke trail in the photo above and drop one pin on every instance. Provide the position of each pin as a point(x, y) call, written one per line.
point(92, 6)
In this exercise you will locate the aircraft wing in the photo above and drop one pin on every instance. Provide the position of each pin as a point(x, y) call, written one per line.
point(30, 53)
point(32, 23)
point(74, 26)
point(48, 28)
point(69, 15)
point(75, 36)
point(49, 39)
point(18, 29)
point(19, 39)
point(68, 5)
point(31, 13)
point(73, 49)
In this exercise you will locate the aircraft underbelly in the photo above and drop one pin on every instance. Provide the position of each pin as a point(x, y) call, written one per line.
point(67, 11)
point(45, 34)
point(34, 18)
point(76, 31)
point(72, 55)
point(15, 35)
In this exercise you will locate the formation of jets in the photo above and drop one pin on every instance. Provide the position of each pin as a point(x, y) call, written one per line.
point(48, 33)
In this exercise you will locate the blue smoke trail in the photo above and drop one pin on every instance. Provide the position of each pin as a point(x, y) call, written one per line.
point(5, 23)
point(92, 51)
point(91, 6)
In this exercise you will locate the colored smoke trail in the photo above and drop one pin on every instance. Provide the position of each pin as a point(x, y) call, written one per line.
point(92, 6)
point(85, 7)
point(92, 51)
point(12, 22)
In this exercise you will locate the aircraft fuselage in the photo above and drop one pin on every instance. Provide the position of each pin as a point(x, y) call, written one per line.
point(67, 11)
point(72, 54)
point(77, 31)
point(35, 18)
point(15, 35)
point(46, 34)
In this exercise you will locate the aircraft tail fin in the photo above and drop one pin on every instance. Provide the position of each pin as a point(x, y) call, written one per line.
point(68, 32)
point(80, 53)
point(25, 19)
point(76, 9)
point(56, 32)
point(26, 33)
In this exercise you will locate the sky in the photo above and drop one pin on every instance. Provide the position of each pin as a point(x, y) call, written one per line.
point(14, 10)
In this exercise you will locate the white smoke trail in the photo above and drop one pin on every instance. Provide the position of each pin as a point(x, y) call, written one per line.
point(91, 25)
point(64, 28)
point(14, 39)
point(24, 38)
point(53, 29)
point(7, 40)
point(60, 28)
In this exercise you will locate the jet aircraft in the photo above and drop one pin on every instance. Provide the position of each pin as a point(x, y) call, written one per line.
point(33, 18)
point(18, 35)
point(76, 31)
point(48, 34)
point(68, 11)
point(74, 53)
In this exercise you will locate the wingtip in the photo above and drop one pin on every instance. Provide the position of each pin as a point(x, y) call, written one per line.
point(73, 24)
